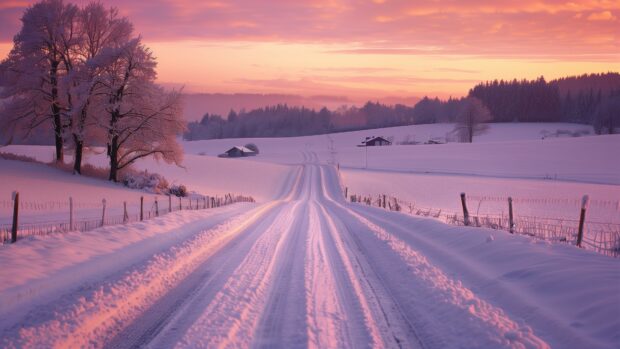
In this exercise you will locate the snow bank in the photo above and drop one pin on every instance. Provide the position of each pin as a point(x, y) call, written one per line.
point(569, 296)
point(132, 266)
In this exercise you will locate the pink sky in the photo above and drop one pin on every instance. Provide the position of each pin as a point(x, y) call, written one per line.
point(365, 49)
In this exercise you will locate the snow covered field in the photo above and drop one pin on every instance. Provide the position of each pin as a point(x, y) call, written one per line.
point(304, 268)
point(45, 191)
point(547, 178)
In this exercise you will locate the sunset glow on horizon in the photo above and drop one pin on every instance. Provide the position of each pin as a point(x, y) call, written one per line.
point(366, 49)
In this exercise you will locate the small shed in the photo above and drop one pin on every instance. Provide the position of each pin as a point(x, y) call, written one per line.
point(237, 151)
point(375, 141)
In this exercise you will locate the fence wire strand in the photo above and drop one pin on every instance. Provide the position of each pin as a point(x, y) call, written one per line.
point(26, 229)
point(601, 237)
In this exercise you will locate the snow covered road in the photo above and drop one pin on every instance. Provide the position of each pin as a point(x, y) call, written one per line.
point(310, 270)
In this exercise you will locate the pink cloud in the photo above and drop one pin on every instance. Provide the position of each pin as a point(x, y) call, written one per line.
point(407, 27)
point(537, 33)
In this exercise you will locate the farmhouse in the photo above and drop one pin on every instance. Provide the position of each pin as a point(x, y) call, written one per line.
point(374, 141)
point(237, 151)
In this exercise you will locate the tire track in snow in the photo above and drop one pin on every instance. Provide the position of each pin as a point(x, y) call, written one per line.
point(283, 319)
point(100, 314)
point(489, 324)
point(395, 328)
point(335, 319)
point(386, 325)
point(231, 318)
point(166, 320)
point(325, 313)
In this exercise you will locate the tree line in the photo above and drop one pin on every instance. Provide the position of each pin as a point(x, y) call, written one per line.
point(81, 74)
point(588, 99)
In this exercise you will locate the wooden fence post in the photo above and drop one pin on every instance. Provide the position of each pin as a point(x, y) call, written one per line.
point(180, 204)
point(511, 222)
point(70, 213)
point(169, 203)
point(156, 208)
point(141, 208)
point(204, 202)
point(584, 205)
point(15, 216)
point(103, 213)
point(125, 215)
point(465, 212)
point(212, 202)
point(346, 192)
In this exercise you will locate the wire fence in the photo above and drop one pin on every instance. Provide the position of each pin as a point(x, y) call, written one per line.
point(601, 237)
point(95, 215)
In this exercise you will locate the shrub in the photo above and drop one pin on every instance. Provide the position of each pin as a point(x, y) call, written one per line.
point(143, 180)
point(178, 190)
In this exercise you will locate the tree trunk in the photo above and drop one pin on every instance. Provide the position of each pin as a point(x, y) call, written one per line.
point(78, 140)
point(79, 147)
point(113, 146)
point(114, 160)
point(56, 113)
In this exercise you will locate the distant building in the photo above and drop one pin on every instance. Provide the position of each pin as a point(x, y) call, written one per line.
point(237, 151)
point(374, 141)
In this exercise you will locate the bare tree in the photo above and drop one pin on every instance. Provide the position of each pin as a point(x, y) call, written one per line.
point(469, 121)
point(142, 119)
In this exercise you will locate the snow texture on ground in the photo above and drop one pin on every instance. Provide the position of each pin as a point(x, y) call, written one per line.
point(306, 269)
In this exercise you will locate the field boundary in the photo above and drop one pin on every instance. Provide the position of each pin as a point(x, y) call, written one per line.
point(101, 214)
point(603, 238)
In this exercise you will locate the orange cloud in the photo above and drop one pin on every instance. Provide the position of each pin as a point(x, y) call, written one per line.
point(602, 16)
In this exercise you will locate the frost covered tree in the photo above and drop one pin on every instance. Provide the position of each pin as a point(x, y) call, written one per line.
point(142, 119)
point(80, 72)
point(99, 28)
point(32, 76)
point(470, 120)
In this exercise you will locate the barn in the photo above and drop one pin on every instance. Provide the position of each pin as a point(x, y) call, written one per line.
point(237, 151)
point(375, 141)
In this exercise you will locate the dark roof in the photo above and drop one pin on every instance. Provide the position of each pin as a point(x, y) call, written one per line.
point(374, 139)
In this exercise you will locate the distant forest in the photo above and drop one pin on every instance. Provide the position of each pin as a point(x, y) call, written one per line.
point(592, 99)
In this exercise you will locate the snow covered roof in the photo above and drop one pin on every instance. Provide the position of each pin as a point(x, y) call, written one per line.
point(242, 149)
